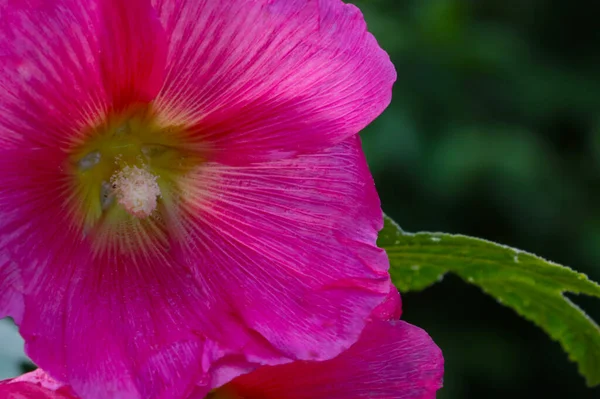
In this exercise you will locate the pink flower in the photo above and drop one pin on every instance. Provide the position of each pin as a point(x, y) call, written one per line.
point(182, 189)
point(34, 385)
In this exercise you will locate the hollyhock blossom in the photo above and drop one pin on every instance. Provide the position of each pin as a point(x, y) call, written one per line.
point(181, 180)
point(34, 385)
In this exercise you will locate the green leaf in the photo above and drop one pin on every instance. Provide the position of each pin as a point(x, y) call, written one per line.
point(530, 285)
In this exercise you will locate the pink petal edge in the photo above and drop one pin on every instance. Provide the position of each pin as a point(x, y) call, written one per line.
point(301, 77)
point(34, 385)
point(391, 360)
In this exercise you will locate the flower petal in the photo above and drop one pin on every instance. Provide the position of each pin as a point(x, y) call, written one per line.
point(134, 48)
point(267, 79)
point(38, 377)
point(27, 390)
point(65, 63)
point(391, 360)
point(290, 245)
point(48, 53)
point(34, 385)
point(391, 307)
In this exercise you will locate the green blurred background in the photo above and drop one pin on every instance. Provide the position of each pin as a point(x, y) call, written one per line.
point(494, 131)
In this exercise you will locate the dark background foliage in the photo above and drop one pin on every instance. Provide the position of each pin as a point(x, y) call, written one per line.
point(493, 131)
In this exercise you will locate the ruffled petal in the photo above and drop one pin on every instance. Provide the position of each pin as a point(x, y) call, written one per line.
point(66, 63)
point(391, 360)
point(34, 385)
point(38, 377)
point(290, 245)
point(391, 307)
point(27, 390)
point(267, 79)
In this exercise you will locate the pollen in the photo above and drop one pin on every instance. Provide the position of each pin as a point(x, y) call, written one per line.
point(136, 190)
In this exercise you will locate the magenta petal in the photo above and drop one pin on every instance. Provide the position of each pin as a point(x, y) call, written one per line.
point(130, 328)
point(34, 385)
point(65, 63)
point(391, 360)
point(40, 378)
point(391, 307)
point(267, 79)
point(290, 245)
point(134, 51)
point(27, 390)
point(48, 54)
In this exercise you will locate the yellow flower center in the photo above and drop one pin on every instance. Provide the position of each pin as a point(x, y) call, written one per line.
point(126, 171)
